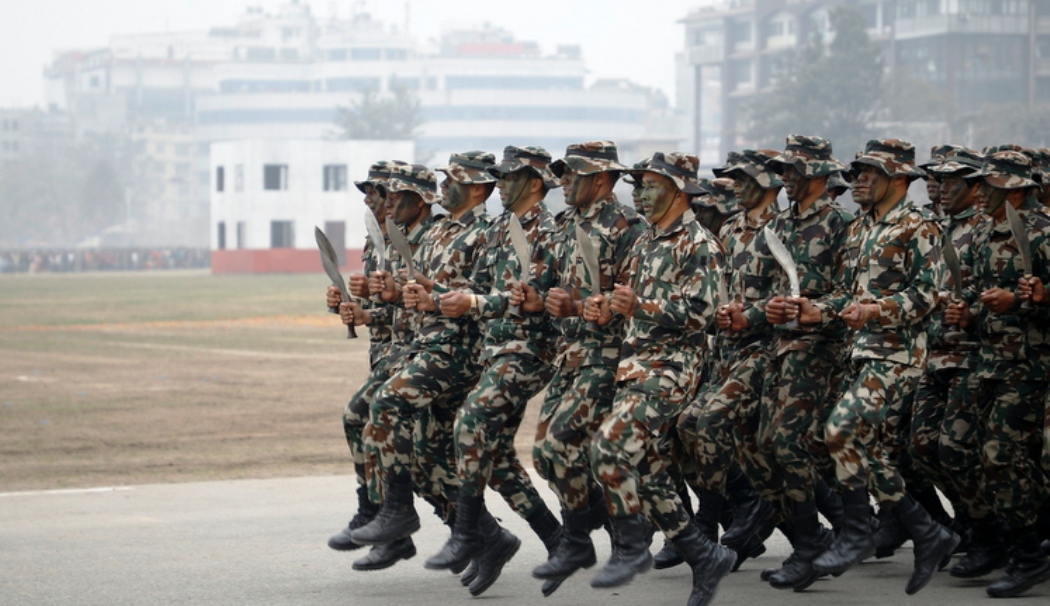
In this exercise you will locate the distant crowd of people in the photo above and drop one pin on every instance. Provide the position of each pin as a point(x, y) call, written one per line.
point(123, 259)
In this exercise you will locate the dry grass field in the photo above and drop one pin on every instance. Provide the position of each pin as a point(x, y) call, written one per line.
point(171, 376)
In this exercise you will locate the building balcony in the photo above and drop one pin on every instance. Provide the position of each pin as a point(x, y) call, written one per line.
point(934, 25)
point(700, 55)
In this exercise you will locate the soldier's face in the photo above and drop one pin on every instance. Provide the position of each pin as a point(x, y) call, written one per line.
point(513, 187)
point(636, 196)
point(658, 194)
point(796, 185)
point(870, 187)
point(933, 190)
point(748, 192)
point(955, 194)
point(454, 194)
point(404, 207)
point(991, 199)
point(579, 189)
point(374, 202)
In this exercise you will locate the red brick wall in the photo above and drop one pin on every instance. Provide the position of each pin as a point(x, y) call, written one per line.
point(276, 260)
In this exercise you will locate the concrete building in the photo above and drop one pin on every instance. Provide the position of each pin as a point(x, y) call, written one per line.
point(268, 195)
point(975, 52)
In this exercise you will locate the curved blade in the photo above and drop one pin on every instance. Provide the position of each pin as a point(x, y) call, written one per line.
point(401, 245)
point(784, 259)
point(590, 260)
point(1020, 233)
point(330, 262)
point(521, 247)
point(951, 259)
point(375, 234)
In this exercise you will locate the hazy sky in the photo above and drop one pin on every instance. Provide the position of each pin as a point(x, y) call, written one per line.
point(618, 37)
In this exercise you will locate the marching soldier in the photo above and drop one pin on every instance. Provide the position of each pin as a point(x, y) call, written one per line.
point(1008, 303)
point(669, 301)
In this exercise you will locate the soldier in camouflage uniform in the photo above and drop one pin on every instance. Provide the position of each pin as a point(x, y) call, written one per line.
point(1014, 359)
point(442, 365)
point(933, 184)
point(669, 301)
point(407, 194)
point(581, 392)
point(720, 427)
point(634, 178)
point(517, 355)
point(944, 445)
point(804, 359)
point(893, 272)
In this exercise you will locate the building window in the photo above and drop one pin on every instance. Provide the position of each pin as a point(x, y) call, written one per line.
point(337, 54)
point(242, 230)
point(275, 177)
point(222, 235)
point(396, 54)
point(220, 179)
point(282, 234)
point(365, 54)
point(335, 177)
point(238, 177)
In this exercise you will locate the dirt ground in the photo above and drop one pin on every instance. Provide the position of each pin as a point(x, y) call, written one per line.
point(113, 388)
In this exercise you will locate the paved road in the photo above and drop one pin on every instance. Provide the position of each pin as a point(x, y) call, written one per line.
point(263, 542)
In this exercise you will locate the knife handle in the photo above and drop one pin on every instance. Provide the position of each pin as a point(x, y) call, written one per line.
point(1027, 303)
point(514, 311)
point(351, 332)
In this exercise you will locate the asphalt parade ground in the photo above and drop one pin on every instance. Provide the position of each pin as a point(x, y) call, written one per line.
point(264, 542)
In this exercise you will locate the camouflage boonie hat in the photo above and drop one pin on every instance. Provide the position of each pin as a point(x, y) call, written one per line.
point(1007, 170)
point(958, 160)
point(589, 158)
point(838, 183)
point(755, 164)
point(379, 171)
point(991, 149)
point(678, 167)
point(414, 178)
point(534, 158)
point(937, 155)
point(731, 158)
point(470, 168)
point(635, 172)
point(895, 157)
point(719, 194)
point(809, 155)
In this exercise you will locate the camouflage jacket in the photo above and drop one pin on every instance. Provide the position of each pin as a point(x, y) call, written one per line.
point(403, 325)
point(675, 273)
point(447, 257)
point(1014, 345)
point(894, 262)
point(749, 275)
point(816, 240)
point(958, 232)
point(496, 268)
point(614, 228)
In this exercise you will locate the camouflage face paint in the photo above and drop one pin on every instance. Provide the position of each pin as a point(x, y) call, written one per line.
point(455, 194)
point(748, 192)
point(579, 189)
point(991, 198)
point(796, 185)
point(513, 186)
point(658, 194)
point(636, 196)
point(403, 207)
point(955, 194)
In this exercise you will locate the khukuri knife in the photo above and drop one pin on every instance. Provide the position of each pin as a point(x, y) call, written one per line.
point(403, 248)
point(590, 265)
point(786, 262)
point(520, 242)
point(951, 259)
point(1020, 233)
point(375, 234)
point(330, 262)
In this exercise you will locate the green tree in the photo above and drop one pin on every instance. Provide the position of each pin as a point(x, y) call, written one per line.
point(374, 116)
point(832, 90)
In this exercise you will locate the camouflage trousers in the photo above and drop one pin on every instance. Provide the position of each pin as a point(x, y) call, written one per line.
point(869, 412)
point(355, 418)
point(577, 401)
point(1016, 484)
point(487, 425)
point(795, 401)
point(722, 427)
point(631, 451)
point(413, 416)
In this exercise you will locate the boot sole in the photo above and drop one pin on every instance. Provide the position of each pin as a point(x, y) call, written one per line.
point(980, 572)
point(408, 555)
point(637, 567)
point(1020, 589)
point(590, 562)
point(551, 585)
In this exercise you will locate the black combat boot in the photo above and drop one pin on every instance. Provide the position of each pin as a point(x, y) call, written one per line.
point(707, 519)
point(787, 529)
point(469, 574)
point(933, 543)
point(829, 503)
point(549, 530)
point(710, 562)
point(630, 553)
point(366, 510)
point(575, 549)
point(750, 510)
point(397, 518)
point(1028, 566)
point(987, 552)
point(386, 555)
point(854, 541)
point(500, 547)
point(755, 546)
point(890, 534)
point(466, 543)
point(798, 572)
